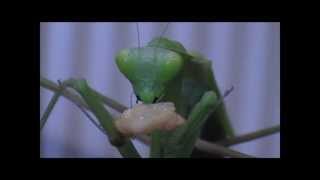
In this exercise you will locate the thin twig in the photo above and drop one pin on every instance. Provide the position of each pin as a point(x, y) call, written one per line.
point(48, 84)
point(207, 147)
point(249, 136)
point(200, 144)
point(218, 149)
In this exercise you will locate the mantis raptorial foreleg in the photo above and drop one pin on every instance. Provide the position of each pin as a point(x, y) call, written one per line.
point(181, 142)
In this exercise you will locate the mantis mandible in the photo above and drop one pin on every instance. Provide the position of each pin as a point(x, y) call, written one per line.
point(164, 71)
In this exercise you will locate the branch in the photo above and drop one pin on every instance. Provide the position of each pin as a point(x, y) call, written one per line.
point(218, 149)
point(211, 148)
point(207, 147)
point(249, 136)
point(46, 83)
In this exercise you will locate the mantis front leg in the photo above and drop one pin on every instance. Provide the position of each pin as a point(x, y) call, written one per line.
point(180, 143)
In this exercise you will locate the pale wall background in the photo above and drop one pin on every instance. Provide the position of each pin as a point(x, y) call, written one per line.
point(246, 55)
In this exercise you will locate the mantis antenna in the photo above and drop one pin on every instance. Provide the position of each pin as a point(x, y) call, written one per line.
point(138, 32)
point(165, 29)
point(155, 52)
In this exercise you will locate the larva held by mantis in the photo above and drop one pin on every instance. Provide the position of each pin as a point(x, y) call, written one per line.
point(145, 118)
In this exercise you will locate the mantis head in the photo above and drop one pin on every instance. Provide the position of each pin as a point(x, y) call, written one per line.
point(149, 69)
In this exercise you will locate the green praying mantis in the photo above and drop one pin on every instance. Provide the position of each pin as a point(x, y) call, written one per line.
point(164, 71)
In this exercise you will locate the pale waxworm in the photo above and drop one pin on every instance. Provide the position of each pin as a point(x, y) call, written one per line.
point(145, 118)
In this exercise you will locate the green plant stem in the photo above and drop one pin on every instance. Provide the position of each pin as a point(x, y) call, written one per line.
point(48, 84)
point(249, 136)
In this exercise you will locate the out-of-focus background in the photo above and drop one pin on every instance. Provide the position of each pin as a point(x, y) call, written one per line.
point(245, 55)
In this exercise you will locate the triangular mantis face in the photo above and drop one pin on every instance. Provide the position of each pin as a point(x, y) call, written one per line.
point(149, 69)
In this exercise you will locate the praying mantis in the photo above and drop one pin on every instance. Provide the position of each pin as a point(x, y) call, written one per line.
point(164, 71)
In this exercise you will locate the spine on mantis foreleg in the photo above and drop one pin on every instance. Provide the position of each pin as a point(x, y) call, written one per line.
point(95, 104)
